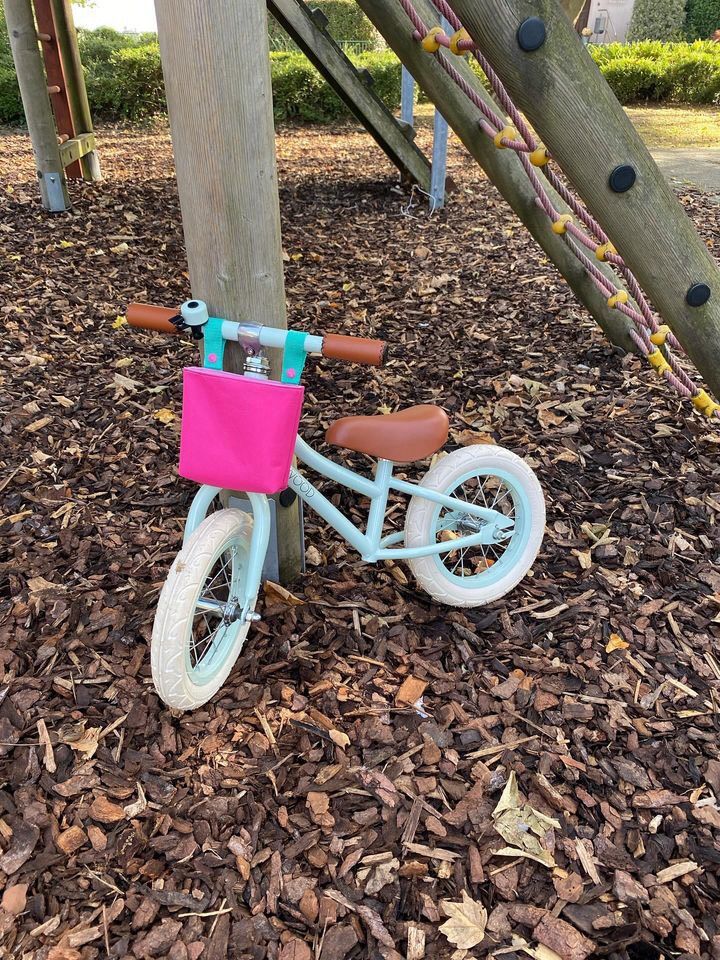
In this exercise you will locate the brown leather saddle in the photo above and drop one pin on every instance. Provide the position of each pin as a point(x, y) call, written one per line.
point(412, 434)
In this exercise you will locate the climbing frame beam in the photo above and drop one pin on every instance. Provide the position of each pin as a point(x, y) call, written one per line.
point(352, 87)
point(503, 167)
point(560, 90)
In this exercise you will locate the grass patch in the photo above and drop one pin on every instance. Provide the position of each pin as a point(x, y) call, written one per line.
point(677, 126)
point(659, 126)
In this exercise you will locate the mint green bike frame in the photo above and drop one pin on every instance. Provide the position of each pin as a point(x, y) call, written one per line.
point(371, 544)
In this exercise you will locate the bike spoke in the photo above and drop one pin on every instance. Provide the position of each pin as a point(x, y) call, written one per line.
point(209, 624)
point(494, 494)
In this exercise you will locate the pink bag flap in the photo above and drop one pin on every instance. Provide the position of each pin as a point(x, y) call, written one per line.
point(238, 432)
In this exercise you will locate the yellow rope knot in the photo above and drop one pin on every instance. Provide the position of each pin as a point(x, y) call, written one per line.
point(603, 250)
point(620, 297)
point(430, 42)
point(658, 362)
point(705, 404)
point(561, 224)
point(539, 157)
point(660, 335)
point(455, 40)
point(507, 133)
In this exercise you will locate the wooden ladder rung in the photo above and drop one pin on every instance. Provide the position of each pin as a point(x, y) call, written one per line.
point(71, 150)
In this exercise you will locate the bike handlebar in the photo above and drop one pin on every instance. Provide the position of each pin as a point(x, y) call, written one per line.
point(354, 349)
point(150, 317)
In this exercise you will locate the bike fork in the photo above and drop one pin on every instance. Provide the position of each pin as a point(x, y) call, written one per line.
point(258, 544)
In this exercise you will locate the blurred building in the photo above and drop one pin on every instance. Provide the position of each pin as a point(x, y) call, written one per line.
point(607, 19)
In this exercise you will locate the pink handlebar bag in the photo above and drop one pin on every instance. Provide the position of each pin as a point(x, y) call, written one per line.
point(237, 432)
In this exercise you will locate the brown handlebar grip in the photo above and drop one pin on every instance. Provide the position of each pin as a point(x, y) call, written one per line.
point(150, 317)
point(354, 349)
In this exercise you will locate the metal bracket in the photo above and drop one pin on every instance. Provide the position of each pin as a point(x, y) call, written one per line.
point(53, 188)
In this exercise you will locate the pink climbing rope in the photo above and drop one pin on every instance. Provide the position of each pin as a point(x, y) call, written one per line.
point(491, 123)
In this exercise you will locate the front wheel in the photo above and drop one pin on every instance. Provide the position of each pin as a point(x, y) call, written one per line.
point(490, 477)
point(201, 624)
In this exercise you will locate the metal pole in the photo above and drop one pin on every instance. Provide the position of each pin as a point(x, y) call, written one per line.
point(407, 101)
point(36, 103)
point(439, 154)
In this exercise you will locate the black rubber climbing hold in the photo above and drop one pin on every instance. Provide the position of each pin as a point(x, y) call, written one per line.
point(531, 34)
point(622, 178)
point(287, 498)
point(698, 294)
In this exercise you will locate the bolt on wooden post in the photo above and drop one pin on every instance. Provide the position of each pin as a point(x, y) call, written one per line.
point(217, 77)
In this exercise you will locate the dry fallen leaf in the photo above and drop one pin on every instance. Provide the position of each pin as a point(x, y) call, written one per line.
point(15, 898)
point(164, 415)
point(273, 591)
point(339, 738)
point(521, 826)
point(466, 926)
point(616, 642)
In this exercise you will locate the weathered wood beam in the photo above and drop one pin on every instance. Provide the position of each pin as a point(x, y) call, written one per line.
point(342, 76)
point(54, 73)
point(77, 147)
point(569, 103)
point(74, 79)
point(36, 104)
point(502, 166)
point(216, 65)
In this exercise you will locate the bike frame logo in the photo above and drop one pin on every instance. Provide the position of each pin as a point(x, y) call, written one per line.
point(302, 486)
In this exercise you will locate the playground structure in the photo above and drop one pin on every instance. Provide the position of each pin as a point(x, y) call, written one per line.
point(626, 248)
point(52, 85)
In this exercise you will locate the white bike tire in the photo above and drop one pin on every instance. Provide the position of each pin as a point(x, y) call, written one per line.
point(177, 605)
point(420, 524)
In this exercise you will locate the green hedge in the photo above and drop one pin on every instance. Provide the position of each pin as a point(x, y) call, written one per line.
point(300, 93)
point(657, 20)
point(124, 77)
point(651, 70)
point(346, 22)
point(703, 19)
point(126, 82)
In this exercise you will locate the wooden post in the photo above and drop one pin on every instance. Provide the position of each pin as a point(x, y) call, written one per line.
point(561, 91)
point(54, 72)
point(36, 103)
point(502, 166)
point(439, 162)
point(75, 83)
point(217, 78)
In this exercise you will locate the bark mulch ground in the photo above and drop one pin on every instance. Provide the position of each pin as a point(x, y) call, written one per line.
point(340, 797)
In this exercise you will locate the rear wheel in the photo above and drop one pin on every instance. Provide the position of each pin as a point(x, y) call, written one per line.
point(491, 477)
point(200, 625)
